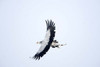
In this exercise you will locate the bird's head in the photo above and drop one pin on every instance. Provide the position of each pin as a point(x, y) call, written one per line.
point(39, 42)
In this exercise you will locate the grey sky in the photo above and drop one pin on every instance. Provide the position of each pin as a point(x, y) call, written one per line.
point(22, 24)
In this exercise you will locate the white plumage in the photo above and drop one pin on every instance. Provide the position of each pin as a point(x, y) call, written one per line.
point(44, 42)
point(48, 40)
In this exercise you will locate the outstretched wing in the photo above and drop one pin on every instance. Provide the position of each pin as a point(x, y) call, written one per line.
point(50, 34)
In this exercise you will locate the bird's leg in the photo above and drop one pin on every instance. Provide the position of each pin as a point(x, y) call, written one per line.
point(63, 44)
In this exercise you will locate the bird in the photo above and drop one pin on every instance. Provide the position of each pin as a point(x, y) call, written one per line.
point(55, 44)
point(48, 41)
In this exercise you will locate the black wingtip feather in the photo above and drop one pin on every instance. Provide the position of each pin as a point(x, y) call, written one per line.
point(36, 57)
point(50, 25)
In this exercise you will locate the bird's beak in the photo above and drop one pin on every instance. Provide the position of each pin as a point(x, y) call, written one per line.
point(37, 42)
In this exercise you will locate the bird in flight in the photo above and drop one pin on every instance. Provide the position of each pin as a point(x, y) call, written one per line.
point(48, 40)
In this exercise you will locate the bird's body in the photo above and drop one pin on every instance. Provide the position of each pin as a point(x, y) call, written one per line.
point(48, 40)
point(55, 44)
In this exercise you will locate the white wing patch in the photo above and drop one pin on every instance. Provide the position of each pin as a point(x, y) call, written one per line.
point(45, 41)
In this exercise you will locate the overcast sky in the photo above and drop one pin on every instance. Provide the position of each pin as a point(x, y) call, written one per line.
point(22, 24)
